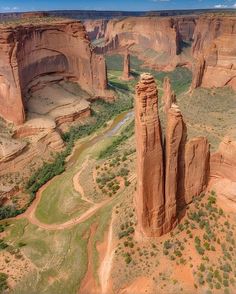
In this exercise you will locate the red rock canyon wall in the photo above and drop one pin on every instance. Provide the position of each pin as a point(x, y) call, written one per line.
point(30, 51)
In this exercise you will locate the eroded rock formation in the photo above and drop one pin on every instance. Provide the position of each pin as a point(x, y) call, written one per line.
point(163, 185)
point(59, 48)
point(146, 36)
point(169, 96)
point(214, 50)
point(126, 67)
point(196, 167)
point(223, 170)
point(150, 173)
point(96, 28)
point(205, 44)
point(174, 134)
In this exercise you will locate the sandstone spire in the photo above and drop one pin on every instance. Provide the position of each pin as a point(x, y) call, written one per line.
point(126, 67)
point(162, 189)
point(150, 174)
point(169, 96)
point(174, 134)
point(198, 72)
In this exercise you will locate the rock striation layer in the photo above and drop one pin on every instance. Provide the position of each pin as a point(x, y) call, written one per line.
point(205, 44)
point(214, 48)
point(32, 51)
point(223, 170)
point(169, 175)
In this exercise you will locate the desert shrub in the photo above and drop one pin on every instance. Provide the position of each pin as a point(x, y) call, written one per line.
point(3, 245)
point(3, 282)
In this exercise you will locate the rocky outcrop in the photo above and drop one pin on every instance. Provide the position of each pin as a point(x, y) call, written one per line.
point(174, 133)
point(150, 173)
point(197, 155)
point(126, 76)
point(223, 171)
point(96, 28)
point(10, 148)
point(33, 155)
point(169, 96)
point(146, 34)
point(163, 187)
point(223, 162)
point(214, 50)
point(34, 50)
point(205, 44)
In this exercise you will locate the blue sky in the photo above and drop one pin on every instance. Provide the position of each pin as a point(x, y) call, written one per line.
point(135, 5)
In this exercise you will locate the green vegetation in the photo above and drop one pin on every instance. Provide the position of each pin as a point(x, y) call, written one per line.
point(125, 134)
point(3, 282)
point(180, 77)
point(101, 113)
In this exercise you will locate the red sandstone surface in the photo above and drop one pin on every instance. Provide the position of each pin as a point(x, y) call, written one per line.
point(162, 42)
point(184, 171)
point(31, 51)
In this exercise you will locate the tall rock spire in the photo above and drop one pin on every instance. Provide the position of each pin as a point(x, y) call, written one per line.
point(174, 134)
point(162, 188)
point(126, 67)
point(150, 187)
point(169, 96)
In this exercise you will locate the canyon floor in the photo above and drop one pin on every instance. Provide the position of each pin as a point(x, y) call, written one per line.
point(78, 234)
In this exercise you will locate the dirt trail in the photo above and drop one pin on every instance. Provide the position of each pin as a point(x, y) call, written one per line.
point(106, 265)
point(77, 184)
point(30, 213)
point(70, 223)
point(89, 285)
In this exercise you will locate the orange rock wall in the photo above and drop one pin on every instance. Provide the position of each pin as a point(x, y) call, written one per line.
point(32, 51)
point(214, 47)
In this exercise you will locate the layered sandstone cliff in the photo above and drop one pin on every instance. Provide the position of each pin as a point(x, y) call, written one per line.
point(32, 51)
point(145, 35)
point(223, 171)
point(96, 28)
point(214, 49)
point(167, 177)
point(205, 44)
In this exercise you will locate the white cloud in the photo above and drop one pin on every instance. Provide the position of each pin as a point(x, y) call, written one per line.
point(9, 9)
point(221, 6)
point(234, 6)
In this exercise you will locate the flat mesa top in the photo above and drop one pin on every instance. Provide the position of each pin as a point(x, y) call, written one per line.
point(13, 23)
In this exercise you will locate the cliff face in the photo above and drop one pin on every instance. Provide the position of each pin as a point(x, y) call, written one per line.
point(205, 44)
point(223, 162)
point(197, 152)
point(223, 171)
point(214, 47)
point(96, 28)
point(32, 51)
point(144, 34)
point(164, 186)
